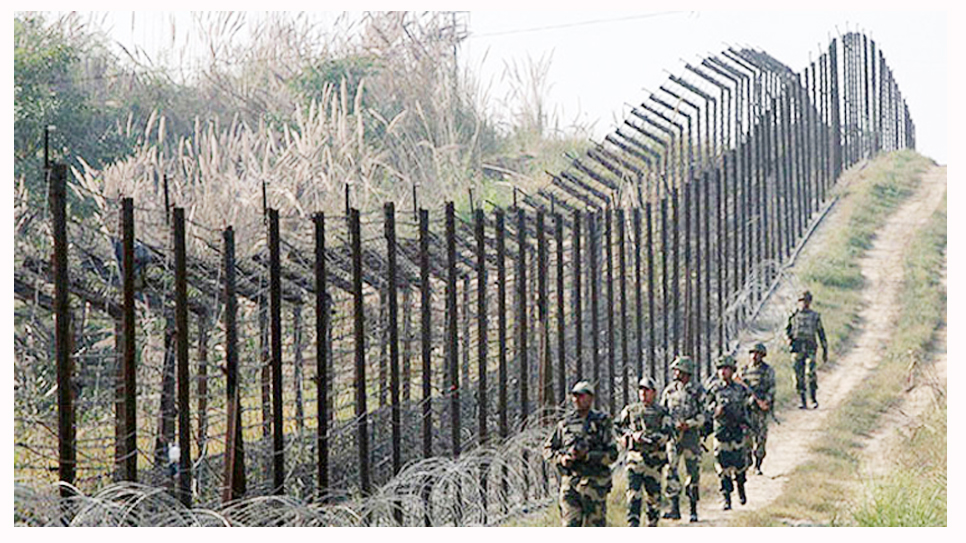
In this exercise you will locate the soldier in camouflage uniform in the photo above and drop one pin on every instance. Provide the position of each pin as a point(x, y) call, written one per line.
point(760, 378)
point(803, 325)
point(644, 430)
point(728, 401)
point(582, 448)
point(683, 398)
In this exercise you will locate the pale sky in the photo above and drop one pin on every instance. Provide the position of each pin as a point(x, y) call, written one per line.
point(602, 61)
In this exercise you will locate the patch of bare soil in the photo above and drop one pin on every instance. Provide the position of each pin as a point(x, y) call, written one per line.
point(789, 442)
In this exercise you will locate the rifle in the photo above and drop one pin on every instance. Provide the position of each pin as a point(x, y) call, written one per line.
point(771, 408)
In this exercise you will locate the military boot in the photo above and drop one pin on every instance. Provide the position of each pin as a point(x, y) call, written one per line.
point(804, 405)
point(693, 498)
point(652, 516)
point(814, 400)
point(757, 466)
point(675, 512)
point(727, 501)
point(742, 499)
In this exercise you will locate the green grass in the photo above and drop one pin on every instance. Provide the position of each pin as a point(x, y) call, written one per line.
point(914, 493)
point(821, 489)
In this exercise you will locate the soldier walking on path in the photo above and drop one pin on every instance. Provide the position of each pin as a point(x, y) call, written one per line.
point(803, 325)
point(582, 448)
point(684, 400)
point(645, 428)
point(758, 376)
point(728, 401)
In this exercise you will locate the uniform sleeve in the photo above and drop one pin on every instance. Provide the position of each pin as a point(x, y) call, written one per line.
point(607, 453)
point(551, 447)
point(697, 419)
point(666, 432)
point(769, 387)
point(623, 422)
point(821, 331)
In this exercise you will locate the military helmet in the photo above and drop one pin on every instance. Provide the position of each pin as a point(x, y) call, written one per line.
point(806, 296)
point(683, 363)
point(758, 348)
point(583, 387)
point(646, 382)
point(725, 361)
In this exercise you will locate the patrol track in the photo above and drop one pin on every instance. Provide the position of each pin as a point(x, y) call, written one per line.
point(789, 443)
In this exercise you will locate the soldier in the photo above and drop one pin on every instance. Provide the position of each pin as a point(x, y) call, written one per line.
point(803, 325)
point(758, 376)
point(645, 429)
point(728, 401)
point(684, 400)
point(582, 448)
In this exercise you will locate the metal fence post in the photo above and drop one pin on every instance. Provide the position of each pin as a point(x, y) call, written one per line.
point(184, 379)
point(66, 432)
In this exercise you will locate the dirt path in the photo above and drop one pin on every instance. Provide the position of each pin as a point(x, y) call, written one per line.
point(789, 442)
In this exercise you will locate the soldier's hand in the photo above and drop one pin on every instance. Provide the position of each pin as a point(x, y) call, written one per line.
point(682, 426)
point(566, 460)
point(719, 412)
point(763, 405)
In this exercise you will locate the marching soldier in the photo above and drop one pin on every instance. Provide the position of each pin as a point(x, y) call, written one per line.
point(758, 376)
point(684, 400)
point(645, 428)
point(582, 448)
point(728, 401)
point(803, 325)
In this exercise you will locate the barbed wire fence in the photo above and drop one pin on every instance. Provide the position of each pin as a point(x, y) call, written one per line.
point(384, 367)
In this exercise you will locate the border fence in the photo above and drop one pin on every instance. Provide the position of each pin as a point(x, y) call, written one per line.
point(397, 366)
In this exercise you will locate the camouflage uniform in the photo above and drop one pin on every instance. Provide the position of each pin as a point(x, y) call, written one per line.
point(645, 458)
point(760, 378)
point(685, 403)
point(803, 325)
point(585, 484)
point(730, 453)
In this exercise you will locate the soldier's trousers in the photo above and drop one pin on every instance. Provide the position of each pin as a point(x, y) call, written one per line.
point(676, 450)
point(583, 499)
point(643, 477)
point(805, 377)
point(757, 436)
point(730, 455)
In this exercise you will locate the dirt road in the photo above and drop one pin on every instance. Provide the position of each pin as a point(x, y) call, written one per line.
point(789, 443)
